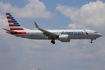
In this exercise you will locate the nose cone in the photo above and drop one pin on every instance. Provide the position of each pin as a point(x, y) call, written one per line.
point(99, 35)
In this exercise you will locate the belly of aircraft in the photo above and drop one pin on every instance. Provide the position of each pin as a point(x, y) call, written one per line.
point(82, 37)
point(44, 37)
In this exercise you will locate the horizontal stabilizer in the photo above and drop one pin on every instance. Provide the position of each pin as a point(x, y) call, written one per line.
point(8, 30)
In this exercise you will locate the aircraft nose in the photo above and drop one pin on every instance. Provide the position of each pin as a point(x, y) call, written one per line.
point(99, 34)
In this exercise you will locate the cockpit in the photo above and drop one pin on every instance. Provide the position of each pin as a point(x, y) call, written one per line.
point(95, 32)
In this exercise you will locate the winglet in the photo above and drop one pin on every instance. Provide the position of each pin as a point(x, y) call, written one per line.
point(36, 25)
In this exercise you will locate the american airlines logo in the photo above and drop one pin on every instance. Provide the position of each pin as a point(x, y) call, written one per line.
point(86, 32)
point(73, 33)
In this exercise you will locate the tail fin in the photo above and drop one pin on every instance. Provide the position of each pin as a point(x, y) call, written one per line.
point(13, 24)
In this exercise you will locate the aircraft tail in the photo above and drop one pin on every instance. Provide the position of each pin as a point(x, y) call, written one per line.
point(13, 24)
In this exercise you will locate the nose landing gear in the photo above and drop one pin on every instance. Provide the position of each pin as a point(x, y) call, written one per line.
point(91, 41)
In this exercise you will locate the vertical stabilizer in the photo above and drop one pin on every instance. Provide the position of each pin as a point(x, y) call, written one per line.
point(13, 24)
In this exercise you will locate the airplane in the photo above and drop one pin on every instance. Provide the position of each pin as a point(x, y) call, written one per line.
point(44, 34)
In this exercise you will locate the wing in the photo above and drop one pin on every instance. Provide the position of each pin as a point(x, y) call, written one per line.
point(50, 35)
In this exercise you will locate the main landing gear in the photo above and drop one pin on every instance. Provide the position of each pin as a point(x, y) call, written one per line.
point(91, 41)
point(53, 41)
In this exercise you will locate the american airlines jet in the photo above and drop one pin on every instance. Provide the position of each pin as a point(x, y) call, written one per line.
point(42, 34)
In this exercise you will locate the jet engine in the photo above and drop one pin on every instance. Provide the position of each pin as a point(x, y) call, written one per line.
point(64, 38)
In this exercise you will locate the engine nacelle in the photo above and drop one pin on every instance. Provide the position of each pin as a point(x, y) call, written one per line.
point(64, 38)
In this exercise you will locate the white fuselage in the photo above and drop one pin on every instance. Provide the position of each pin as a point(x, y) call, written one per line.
point(73, 34)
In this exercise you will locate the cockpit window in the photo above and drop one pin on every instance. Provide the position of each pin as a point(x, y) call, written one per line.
point(95, 32)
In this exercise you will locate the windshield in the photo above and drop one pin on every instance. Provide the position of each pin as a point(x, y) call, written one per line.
point(95, 32)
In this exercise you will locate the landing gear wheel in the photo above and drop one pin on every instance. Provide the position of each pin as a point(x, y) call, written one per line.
point(91, 41)
point(52, 41)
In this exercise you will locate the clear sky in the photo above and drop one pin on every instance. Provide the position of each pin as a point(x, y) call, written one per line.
point(23, 54)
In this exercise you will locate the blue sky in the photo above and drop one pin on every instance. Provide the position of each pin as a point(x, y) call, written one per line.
point(24, 54)
point(51, 5)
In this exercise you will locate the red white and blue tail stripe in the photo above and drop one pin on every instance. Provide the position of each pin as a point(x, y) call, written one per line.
point(14, 25)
